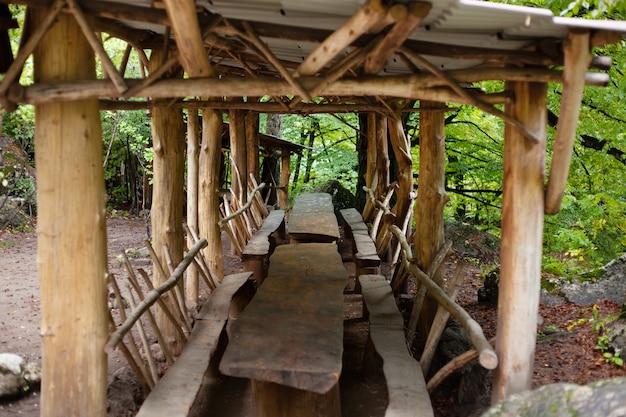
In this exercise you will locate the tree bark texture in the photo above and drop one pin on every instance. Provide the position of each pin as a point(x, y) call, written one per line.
point(71, 231)
point(192, 279)
point(252, 144)
point(431, 199)
point(521, 247)
point(209, 188)
point(239, 159)
point(168, 166)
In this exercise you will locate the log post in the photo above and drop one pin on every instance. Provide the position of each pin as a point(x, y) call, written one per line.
point(402, 151)
point(192, 279)
point(252, 144)
point(521, 247)
point(168, 166)
point(431, 199)
point(371, 170)
point(382, 158)
point(71, 230)
point(209, 187)
point(285, 173)
point(239, 159)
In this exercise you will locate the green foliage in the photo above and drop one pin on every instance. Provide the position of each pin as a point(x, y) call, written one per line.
point(20, 125)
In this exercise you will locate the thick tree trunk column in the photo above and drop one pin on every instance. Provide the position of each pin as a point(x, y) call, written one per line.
point(431, 199)
point(521, 247)
point(239, 162)
point(71, 231)
point(209, 187)
point(168, 166)
point(285, 173)
point(252, 145)
point(192, 281)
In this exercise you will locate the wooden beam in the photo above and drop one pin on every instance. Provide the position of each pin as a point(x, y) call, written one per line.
point(577, 59)
point(521, 248)
point(71, 230)
point(184, 20)
point(340, 39)
point(422, 86)
point(285, 173)
point(239, 158)
point(377, 58)
point(192, 280)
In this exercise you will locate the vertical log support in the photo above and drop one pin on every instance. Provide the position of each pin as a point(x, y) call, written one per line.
point(71, 230)
point(431, 199)
point(520, 253)
point(382, 159)
point(285, 173)
point(239, 159)
point(252, 144)
point(209, 187)
point(402, 152)
point(168, 165)
point(372, 163)
point(192, 290)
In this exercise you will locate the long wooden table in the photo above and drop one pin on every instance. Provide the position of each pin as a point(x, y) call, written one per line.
point(289, 339)
point(313, 219)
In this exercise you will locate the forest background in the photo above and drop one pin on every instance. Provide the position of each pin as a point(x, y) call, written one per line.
point(589, 231)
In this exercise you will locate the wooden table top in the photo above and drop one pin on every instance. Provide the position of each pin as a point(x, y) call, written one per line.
point(313, 218)
point(291, 333)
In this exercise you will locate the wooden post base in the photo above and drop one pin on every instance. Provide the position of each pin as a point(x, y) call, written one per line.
point(275, 400)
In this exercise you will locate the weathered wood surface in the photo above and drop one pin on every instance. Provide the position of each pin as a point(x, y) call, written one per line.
point(292, 331)
point(405, 382)
point(364, 252)
point(313, 219)
point(176, 392)
point(261, 245)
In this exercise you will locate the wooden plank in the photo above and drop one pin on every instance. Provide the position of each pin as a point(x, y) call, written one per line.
point(405, 381)
point(259, 244)
point(217, 305)
point(354, 220)
point(313, 219)
point(292, 331)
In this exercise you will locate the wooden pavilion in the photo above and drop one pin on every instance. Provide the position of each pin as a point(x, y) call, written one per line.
point(376, 57)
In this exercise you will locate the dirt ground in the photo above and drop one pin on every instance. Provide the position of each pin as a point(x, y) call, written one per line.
point(567, 356)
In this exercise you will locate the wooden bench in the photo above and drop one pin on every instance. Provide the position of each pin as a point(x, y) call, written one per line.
point(175, 394)
point(289, 339)
point(261, 245)
point(364, 253)
point(313, 219)
point(405, 381)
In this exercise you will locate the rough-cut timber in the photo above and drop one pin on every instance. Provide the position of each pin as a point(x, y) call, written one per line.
point(262, 244)
point(294, 344)
point(313, 219)
point(520, 250)
point(406, 386)
point(364, 253)
point(176, 392)
point(71, 231)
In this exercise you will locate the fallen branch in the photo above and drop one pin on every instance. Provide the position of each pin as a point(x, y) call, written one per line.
point(449, 368)
point(153, 296)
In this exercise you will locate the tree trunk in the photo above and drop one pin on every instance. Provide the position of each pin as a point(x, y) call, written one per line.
point(382, 155)
point(168, 166)
point(252, 144)
point(239, 159)
point(283, 194)
point(193, 144)
point(431, 199)
point(309, 156)
point(361, 148)
point(402, 152)
point(209, 187)
point(521, 248)
point(71, 231)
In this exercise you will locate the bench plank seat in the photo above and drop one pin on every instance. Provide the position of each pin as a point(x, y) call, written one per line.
point(313, 219)
point(364, 252)
point(406, 386)
point(174, 395)
point(262, 244)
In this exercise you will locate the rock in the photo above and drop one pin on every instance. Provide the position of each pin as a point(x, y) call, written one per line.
point(16, 376)
point(599, 399)
point(610, 285)
point(488, 293)
point(616, 335)
point(124, 395)
point(342, 197)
